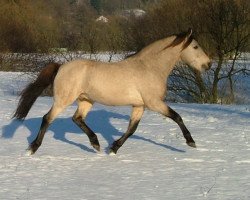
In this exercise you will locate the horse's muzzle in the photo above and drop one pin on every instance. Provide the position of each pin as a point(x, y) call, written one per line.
point(207, 66)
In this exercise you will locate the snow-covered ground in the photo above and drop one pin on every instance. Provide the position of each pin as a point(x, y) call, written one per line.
point(153, 164)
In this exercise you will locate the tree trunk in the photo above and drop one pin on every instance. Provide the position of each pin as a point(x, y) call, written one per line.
point(216, 81)
point(201, 86)
point(230, 77)
point(232, 98)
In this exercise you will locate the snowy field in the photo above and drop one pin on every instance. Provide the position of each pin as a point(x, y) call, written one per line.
point(153, 164)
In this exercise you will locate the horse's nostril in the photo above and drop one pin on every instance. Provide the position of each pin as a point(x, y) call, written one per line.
point(209, 65)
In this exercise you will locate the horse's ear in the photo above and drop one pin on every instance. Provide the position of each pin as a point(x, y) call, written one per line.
point(188, 38)
point(189, 33)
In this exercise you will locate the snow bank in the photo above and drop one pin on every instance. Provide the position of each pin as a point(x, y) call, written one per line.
point(153, 164)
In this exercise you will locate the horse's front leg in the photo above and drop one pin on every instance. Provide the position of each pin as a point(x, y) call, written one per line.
point(79, 118)
point(162, 108)
point(136, 115)
point(177, 118)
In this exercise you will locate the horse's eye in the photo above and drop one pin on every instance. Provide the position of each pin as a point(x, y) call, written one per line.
point(195, 47)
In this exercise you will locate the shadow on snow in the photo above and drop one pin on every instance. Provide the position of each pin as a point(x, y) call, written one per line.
point(98, 120)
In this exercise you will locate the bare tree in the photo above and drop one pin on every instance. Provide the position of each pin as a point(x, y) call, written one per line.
point(227, 30)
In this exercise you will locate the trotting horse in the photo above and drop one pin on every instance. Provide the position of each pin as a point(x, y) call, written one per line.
point(138, 81)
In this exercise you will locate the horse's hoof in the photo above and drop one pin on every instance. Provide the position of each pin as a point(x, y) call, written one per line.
point(96, 147)
point(112, 152)
point(33, 147)
point(29, 152)
point(191, 144)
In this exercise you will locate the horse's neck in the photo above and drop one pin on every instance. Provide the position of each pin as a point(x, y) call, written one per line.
point(166, 61)
point(155, 47)
point(163, 60)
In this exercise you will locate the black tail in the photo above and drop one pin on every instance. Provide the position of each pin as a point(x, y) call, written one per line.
point(33, 90)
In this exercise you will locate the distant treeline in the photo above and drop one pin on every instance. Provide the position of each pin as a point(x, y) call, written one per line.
point(42, 25)
point(37, 26)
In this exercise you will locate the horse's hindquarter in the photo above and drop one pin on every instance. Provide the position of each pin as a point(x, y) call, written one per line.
point(69, 80)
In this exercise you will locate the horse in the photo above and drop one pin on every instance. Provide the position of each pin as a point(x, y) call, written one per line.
point(138, 81)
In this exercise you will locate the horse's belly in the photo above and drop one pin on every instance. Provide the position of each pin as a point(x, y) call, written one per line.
point(116, 98)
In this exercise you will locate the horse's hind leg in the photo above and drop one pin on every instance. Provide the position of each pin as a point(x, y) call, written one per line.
point(136, 115)
point(162, 108)
point(79, 118)
point(47, 120)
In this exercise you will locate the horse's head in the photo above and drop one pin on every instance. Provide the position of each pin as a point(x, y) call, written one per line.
point(193, 55)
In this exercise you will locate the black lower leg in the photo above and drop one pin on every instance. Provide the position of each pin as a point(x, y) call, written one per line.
point(177, 118)
point(118, 143)
point(38, 141)
point(91, 135)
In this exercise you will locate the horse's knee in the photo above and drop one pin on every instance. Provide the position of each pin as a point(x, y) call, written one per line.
point(158, 106)
point(174, 115)
point(46, 120)
point(53, 113)
point(76, 118)
point(137, 113)
point(84, 107)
